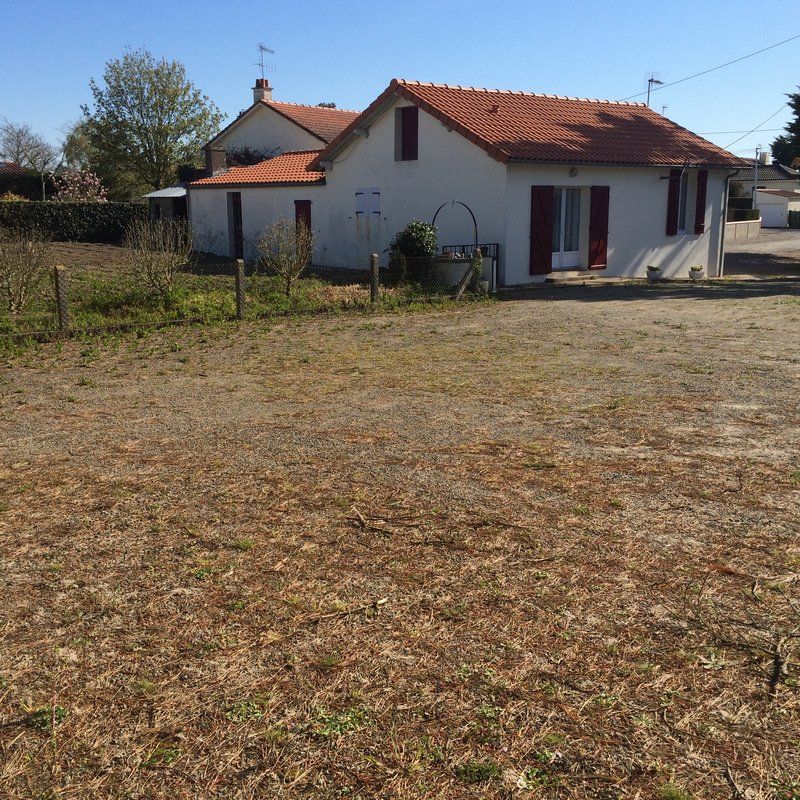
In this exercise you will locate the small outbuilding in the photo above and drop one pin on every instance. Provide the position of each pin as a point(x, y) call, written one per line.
point(775, 205)
point(169, 203)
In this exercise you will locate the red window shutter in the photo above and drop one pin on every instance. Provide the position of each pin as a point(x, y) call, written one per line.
point(598, 227)
point(409, 132)
point(542, 198)
point(700, 203)
point(673, 200)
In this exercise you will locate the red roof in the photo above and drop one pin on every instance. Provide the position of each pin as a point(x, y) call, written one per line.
point(287, 168)
point(519, 126)
point(324, 123)
point(10, 168)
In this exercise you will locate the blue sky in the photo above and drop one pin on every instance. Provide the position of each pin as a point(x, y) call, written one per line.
point(348, 52)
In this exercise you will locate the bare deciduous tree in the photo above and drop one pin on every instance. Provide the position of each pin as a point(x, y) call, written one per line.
point(157, 250)
point(23, 266)
point(285, 248)
point(18, 143)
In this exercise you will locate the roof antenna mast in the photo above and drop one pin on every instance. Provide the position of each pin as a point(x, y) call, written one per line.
point(262, 48)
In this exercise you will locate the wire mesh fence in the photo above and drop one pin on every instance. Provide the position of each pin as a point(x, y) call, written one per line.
point(89, 288)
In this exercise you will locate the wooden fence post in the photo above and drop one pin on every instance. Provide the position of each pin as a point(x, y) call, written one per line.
point(239, 288)
point(374, 278)
point(60, 279)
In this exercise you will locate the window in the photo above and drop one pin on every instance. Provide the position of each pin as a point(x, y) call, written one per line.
point(406, 133)
point(368, 202)
point(682, 202)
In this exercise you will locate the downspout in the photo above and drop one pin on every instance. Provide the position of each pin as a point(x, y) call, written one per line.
point(721, 254)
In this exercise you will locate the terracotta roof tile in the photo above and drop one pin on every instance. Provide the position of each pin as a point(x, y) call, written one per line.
point(10, 168)
point(550, 128)
point(324, 123)
point(287, 168)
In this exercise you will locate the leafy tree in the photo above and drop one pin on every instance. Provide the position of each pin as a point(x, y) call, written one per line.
point(326, 105)
point(78, 186)
point(786, 147)
point(148, 118)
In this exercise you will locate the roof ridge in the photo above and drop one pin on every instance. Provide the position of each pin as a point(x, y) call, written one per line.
point(410, 83)
point(306, 105)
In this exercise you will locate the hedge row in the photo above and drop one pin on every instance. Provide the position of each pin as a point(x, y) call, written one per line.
point(73, 222)
point(794, 219)
point(742, 214)
point(25, 185)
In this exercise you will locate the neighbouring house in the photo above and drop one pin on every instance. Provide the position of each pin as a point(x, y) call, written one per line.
point(771, 175)
point(169, 203)
point(774, 206)
point(552, 184)
point(10, 168)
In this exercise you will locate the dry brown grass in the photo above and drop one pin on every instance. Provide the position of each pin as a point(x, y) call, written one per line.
point(491, 552)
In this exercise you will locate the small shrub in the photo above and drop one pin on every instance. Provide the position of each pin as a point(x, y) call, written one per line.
point(245, 711)
point(477, 771)
point(337, 723)
point(23, 267)
point(157, 251)
point(42, 718)
point(416, 244)
point(670, 791)
point(285, 249)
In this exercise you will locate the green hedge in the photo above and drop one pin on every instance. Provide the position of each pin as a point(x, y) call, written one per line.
point(73, 222)
point(794, 219)
point(742, 214)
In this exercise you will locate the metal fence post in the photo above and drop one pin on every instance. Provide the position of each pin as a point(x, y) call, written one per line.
point(374, 278)
point(239, 288)
point(60, 279)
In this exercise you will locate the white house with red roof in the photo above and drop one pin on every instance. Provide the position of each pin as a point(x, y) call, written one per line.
point(558, 185)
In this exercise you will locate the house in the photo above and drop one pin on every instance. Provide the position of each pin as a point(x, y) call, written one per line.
point(771, 175)
point(269, 127)
point(10, 168)
point(553, 184)
point(775, 206)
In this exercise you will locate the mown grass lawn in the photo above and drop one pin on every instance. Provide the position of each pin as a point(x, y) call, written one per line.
point(544, 548)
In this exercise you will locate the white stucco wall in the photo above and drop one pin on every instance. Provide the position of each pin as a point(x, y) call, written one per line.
point(264, 129)
point(448, 168)
point(636, 220)
point(208, 210)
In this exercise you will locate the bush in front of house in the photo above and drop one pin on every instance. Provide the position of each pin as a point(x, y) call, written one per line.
point(156, 251)
point(23, 267)
point(412, 251)
point(794, 219)
point(103, 223)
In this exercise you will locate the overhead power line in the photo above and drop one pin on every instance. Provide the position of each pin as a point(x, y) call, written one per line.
point(714, 69)
point(757, 127)
point(710, 133)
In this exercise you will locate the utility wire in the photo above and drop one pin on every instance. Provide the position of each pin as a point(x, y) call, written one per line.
point(757, 127)
point(765, 130)
point(714, 69)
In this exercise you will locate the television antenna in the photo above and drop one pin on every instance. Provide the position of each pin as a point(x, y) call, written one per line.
point(262, 48)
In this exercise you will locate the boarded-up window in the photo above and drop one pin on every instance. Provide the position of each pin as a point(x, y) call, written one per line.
point(368, 202)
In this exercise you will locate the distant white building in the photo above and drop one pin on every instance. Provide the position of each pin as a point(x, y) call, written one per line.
point(557, 184)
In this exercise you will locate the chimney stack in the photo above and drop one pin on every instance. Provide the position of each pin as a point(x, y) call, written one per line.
point(262, 91)
point(215, 161)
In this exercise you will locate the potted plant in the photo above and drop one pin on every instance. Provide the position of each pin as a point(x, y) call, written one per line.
point(696, 273)
point(653, 273)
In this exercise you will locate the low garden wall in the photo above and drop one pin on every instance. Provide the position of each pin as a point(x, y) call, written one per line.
point(739, 231)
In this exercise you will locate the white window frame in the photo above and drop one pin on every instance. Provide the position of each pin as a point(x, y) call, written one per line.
point(566, 259)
